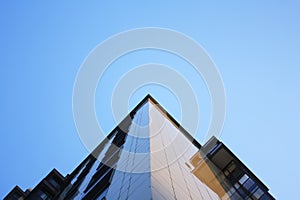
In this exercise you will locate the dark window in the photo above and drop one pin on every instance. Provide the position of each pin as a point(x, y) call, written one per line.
point(100, 186)
point(248, 185)
point(54, 183)
point(44, 195)
point(232, 172)
point(97, 176)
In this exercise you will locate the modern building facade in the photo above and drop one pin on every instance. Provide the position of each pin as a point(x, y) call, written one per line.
point(150, 156)
point(217, 167)
point(47, 189)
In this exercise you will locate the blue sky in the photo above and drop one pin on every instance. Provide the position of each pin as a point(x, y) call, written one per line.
point(254, 44)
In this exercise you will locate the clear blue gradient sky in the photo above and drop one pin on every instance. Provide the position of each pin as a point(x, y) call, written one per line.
point(255, 45)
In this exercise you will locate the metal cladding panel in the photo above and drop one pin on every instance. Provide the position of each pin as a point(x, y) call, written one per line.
point(171, 150)
point(132, 177)
point(146, 157)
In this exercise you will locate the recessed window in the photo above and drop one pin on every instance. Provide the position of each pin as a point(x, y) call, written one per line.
point(236, 186)
point(44, 195)
point(230, 168)
point(258, 193)
point(249, 184)
point(54, 183)
point(243, 179)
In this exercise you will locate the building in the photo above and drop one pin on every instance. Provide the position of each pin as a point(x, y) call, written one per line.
point(217, 167)
point(16, 193)
point(47, 189)
point(150, 156)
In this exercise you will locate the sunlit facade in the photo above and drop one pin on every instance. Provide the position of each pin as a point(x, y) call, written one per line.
point(217, 167)
point(150, 156)
point(145, 157)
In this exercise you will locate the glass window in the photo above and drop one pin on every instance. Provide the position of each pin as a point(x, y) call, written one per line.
point(237, 185)
point(231, 191)
point(44, 196)
point(54, 183)
point(248, 184)
point(242, 192)
point(243, 179)
point(258, 193)
point(100, 186)
point(229, 169)
point(266, 196)
point(235, 196)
